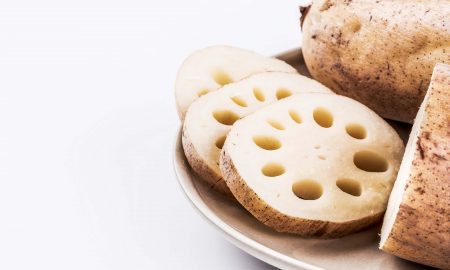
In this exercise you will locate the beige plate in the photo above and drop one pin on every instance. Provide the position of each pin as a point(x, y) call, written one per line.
point(286, 251)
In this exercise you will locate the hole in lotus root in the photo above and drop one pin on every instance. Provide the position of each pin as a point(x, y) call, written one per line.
point(221, 77)
point(202, 92)
point(267, 142)
point(323, 117)
point(220, 142)
point(283, 93)
point(295, 116)
point(273, 169)
point(275, 124)
point(307, 189)
point(357, 131)
point(259, 95)
point(226, 117)
point(349, 186)
point(239, 101)
point(370, 161)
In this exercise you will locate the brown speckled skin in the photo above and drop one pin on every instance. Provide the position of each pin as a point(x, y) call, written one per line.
point(206, 173)
point(421, 231)
point(279, 221)
point(380, 53)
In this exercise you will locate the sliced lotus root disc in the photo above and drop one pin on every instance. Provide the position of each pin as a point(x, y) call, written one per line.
point(209, 119)
point(209, 69)
point(327, 173)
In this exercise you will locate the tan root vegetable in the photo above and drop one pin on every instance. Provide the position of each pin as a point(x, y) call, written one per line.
point(209, 118)
point(417, 222)
point(326, 173)
point(380, 53)
point(209, 69)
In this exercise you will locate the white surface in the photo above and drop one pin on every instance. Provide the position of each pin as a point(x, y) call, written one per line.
point(87, 120)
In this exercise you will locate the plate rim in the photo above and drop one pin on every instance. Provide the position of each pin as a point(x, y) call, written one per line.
point(238, 239)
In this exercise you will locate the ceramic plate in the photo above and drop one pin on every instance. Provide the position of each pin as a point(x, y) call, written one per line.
point(285, 251)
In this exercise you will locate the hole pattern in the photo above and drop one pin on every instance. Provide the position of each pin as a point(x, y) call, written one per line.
point(295, 116)
point(349, 186)
point(202, 92)
point(226, 117)
point(259, 95)
point(275, 124)
point(323, 117)
point(370, 161)
point(239, 101)
point(267, 142)
point(283, 93)
point(221, 77)
point(273, 169)
point(307, 189)
point(220, 142)
point(357, 131)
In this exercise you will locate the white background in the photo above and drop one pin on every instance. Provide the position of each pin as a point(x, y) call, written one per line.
point(87, 122)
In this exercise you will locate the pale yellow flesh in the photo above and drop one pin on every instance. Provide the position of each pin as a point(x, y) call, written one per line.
point(315, 155)
point(202, 125)
point(209, 69)
point(403, 175)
